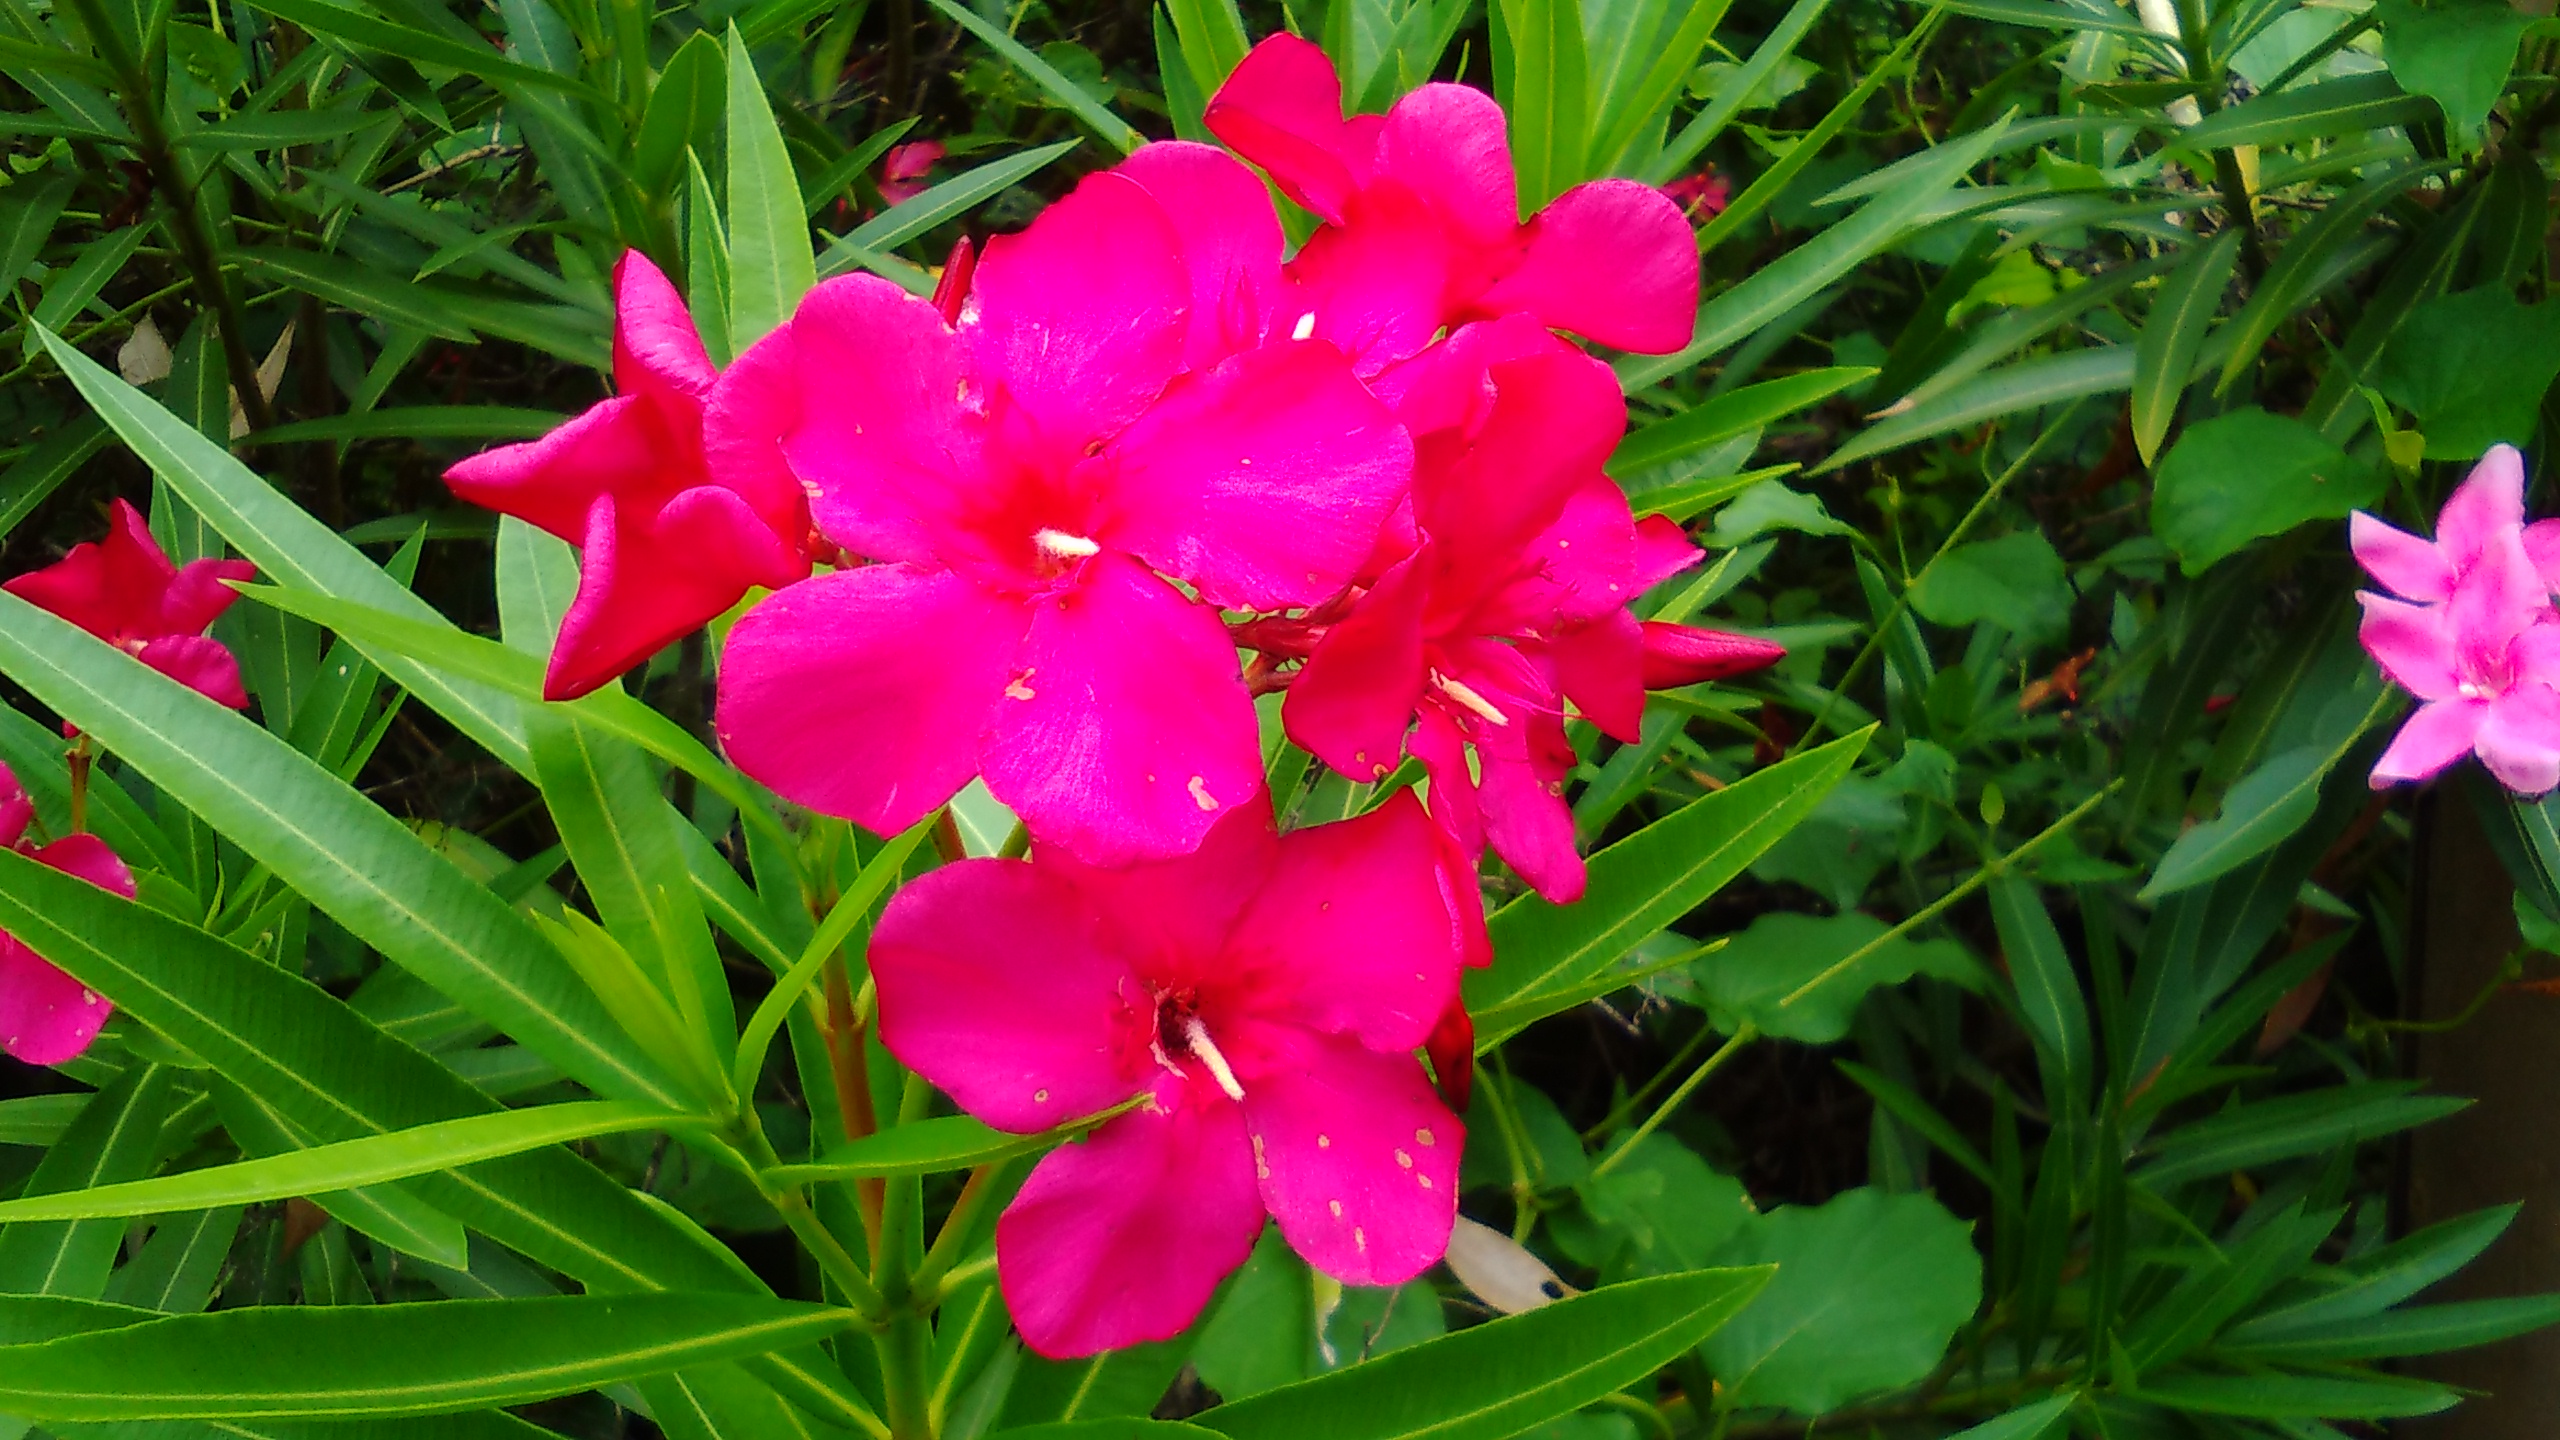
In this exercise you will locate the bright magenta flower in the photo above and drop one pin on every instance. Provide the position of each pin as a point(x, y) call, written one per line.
point(667, 545)
point(1265, 994)
point(2489, 502)
point(2484, 662)
point(1512, 601)
point(124, 591)
point(46, 1017)
point(904, 168)
point(1429, 186)
point(1023, 476)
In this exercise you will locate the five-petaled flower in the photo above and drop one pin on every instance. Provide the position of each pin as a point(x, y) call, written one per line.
point(1265, 995)
point(47, 1017)
point(668, 543)
point(123, 590)
point(1430, 184)
point(1027, 478)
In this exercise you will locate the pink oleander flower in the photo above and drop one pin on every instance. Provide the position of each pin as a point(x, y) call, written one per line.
point(2483, 663)
point(1512, 601)
point(1702, 196)
point(2489, 502)
point(46, 1017)
point(667, 543)
point(904, 168)
point(124, 591)
point(1026, 478)
point(1264, 994)
point(1430, 184)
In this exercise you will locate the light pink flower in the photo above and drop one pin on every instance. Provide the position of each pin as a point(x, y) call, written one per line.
point(1023, 476)
point(1265, 994)
point(2489, 501)
point(2483, 662)
point(123, 590)
point(667, 544)
point(46, 1017)
point(1512, 600)
point(1430, 186)
point(904, 168)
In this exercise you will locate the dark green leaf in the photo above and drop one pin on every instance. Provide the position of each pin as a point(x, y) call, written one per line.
point(2245, 475)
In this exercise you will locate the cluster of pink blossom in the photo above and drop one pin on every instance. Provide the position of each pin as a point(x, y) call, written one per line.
point(2471, 633)
point(124, 590)
point(1049, 506)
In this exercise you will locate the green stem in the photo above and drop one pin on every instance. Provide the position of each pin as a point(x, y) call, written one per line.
point(186, 223)
point(956, 1230)
point(1742, 1035)
point(837, 1262)
point(906, 1346)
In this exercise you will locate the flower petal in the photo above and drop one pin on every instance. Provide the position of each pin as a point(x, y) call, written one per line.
point(1376, 284)
point(1230, 241)
point(2411, 643)
point(46, 1016)
point(857, 399)
point(199, 594)
point(1177, 912)
point(1262, 482)
point(1522, 794)
point(2519, 739)
point(865, 693)
point(1358, 1158)
point(999, 984)
point(654, 342)
point(1677, 655)
point(17, 809)
point(2542, 546)
point(2400, 562)
point(112, 587)
point(647, 580)
point(88, 858)
point(1352, 703)
point(1352, 933)
point(1663, 550)
point(1554, 420)
point(201, 663)
point(1125, 730)
point(1282, 110)
point(2488, 501)
point(2435, 736)
point(1449, 145)
point(1121, 1238)
point(641, 447)
point(1600, 668)
point(1082, 318)
point(1613, 261)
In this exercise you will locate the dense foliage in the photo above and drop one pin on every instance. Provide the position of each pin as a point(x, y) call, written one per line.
point(2020, 966)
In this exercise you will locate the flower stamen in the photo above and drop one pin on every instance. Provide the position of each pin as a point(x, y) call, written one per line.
point(1065, 546)
point(1467, 695)
point(1196, 1036)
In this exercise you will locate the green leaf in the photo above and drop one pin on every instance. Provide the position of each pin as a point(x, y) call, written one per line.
point(369, 32)
point(277, 129)
point(2269, 804)
point(1648, 880)
point(2473, 368)
point(920, 1147)
point(27, 218)
point(2245, 475)
point(2012, 391)
point(2312, 1123)
point(1869, 1289)
point(1068, 94)
point(348, 1164)
point(1770, 506)
point(2054, 15)
point(2347, 106)
point(1626, 110)
point(115, 1138)
point(368, 871)
point(2318, 255)
point(1543, 82)
point(2016, 582)
point(2030, 1422)
point(2455, 52)
point(1124, 1428)
point(2164, 356)
point(1776, 49)
point(1901, 1103)
point(2417, 1330)
point(685, 106)
point(420, 422)
point(2368, 1285)
point(946, 200)
point(1733, 413)
point(1778, 287)
point(1498, 1379)
point(2276, 1396)
point(2048, 988)
point(41, 471)
point(391, 1359)
point(1748, 980)
point(769, 263)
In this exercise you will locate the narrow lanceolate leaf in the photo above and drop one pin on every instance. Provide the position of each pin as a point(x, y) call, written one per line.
point(350, 1163)
point(1547, 101)
point(2337, 107)
point(391, 1359)
point(769, 264)
point(1731, 414)
point(1505, 1377)
point(115, 1138)
point(2417, 1330)
point(371, 873)
point(2173, 336)
point(26, 484)
point(2048, 989)
point(2033, 1422)
point(947, 200)
point(1780, 286)
point(285, 543)
point(2012, 390)
point(2311, 1123)
point(923, 1147)
point(1652, 878)
point(1068, 94)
